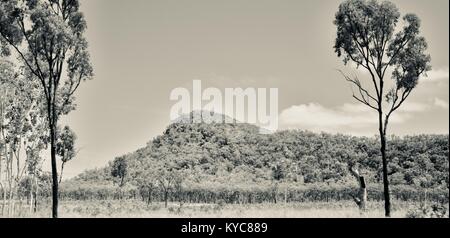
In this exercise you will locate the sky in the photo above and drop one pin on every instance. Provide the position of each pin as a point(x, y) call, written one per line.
point(143, 49)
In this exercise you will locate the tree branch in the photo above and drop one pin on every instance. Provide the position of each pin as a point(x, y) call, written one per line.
point(365, 95)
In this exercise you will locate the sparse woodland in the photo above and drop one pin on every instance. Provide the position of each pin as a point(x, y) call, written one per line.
point(45, 58)
point(235, 164)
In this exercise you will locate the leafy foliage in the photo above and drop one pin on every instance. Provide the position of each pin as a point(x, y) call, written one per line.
point(119, 170)
point(233, 162)
point(428, 211)
point(47, 37)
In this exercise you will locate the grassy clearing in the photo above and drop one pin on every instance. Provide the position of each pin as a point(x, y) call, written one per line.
point(138, 209)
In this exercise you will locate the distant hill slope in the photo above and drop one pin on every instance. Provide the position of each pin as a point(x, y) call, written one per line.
point(235, 154)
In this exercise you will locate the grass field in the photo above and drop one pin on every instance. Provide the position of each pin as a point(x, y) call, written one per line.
point(138, 209)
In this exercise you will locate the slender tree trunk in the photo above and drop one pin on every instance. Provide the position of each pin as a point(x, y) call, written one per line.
point(166, 197)
point(150, 191)
point(149, 198)
point(285, 196)
point(31, 195)
point(36, 194)
point(10, 198)
point(10, 181)
point(35, 203)
point(387, 199)
point(1, 159)
point(52, 124)
point(362, 193)
point(54, 180)
point(61, 172)
point(4, 197)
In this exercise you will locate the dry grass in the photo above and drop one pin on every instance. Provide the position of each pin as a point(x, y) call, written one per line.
point(138, 209)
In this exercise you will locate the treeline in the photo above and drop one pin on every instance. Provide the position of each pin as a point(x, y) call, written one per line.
point(249, 194)
point(235, 163)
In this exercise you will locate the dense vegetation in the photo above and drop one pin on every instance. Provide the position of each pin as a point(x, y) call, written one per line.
point(234, 163)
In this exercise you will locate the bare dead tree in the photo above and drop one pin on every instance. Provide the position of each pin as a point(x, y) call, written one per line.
point(361, 197)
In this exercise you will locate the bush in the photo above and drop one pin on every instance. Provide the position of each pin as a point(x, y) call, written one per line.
point(428, 211)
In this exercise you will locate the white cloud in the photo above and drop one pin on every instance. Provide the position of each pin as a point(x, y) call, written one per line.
point(349, 118)
point(440, 103)
point(411, 107)
point(354, 108)
point(315, 115)
point(436, 75)
point(355, 119)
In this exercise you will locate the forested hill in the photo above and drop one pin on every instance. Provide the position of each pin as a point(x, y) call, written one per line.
point(238, 155)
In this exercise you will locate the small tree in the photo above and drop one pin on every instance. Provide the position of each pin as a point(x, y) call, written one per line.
point(166, 182)
point(278, 172)
point(65, 147)
point(119, 170)
point(366, 36)
point(146, 181)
